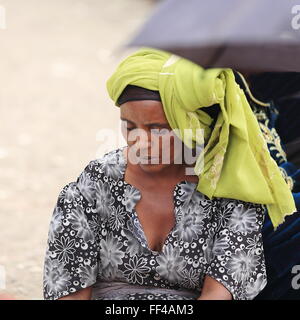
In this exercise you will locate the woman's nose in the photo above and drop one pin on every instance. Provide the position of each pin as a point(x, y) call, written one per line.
point(143, 140)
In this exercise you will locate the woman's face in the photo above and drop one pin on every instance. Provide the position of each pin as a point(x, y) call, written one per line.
point(150, 138)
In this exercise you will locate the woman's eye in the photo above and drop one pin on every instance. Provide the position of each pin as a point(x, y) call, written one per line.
point(127, 126)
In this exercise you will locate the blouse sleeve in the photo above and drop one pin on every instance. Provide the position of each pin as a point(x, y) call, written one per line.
point(71, 261)
point(236, 258)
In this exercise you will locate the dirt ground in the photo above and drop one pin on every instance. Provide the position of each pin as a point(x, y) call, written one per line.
point(55, 57)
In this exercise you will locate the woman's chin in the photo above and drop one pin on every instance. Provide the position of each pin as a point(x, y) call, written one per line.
point(152, 167)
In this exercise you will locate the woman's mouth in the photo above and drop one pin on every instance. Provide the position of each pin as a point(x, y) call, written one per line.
point(149, 159)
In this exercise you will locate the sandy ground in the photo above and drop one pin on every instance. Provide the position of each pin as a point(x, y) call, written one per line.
point(55, 57)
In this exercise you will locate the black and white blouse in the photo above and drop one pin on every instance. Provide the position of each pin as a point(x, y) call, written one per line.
point(96, 239)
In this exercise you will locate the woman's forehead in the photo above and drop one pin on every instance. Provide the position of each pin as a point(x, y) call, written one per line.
point(143, 111)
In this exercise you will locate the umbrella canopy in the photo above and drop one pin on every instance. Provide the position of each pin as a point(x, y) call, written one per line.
point(251, 36)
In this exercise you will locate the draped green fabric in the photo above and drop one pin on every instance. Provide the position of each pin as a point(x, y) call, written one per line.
point(237, 163)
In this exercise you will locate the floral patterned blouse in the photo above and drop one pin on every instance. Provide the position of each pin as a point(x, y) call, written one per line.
point(96, 239)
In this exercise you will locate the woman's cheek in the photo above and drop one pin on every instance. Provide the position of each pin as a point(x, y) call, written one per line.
point(167, 145)
point(127, 134)
point(124, 133)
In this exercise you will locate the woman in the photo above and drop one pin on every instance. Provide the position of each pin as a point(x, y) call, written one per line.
point(136, 227)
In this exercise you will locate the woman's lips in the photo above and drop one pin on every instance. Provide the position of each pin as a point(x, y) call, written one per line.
point(149, 159)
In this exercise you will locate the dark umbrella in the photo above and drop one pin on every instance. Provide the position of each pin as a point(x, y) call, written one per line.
point(247, 35)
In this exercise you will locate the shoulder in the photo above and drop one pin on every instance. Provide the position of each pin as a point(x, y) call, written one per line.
point(233, 203)
point(110, 166)
point(239, 205)
point(107, 168)
point(240, 214)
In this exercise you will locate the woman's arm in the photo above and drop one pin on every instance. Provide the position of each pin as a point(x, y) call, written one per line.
point(214, 290)
point(71, 226)
point(84, 294)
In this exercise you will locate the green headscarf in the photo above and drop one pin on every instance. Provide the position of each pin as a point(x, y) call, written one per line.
point(237, 163)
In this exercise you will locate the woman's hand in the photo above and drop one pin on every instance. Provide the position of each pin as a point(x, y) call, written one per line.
point(214, 290)
point(84, 294)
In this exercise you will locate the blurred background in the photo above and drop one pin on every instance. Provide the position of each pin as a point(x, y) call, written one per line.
point(55, 57)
